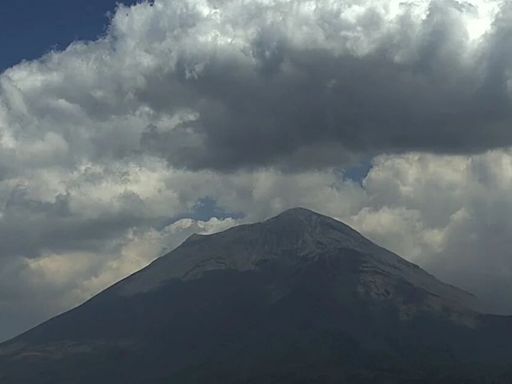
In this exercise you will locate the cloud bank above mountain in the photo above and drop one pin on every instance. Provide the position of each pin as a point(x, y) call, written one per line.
point(108, 149)
point(226, 85)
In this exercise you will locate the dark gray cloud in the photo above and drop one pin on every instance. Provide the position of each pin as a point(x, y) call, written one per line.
point(30, 226)
point(225, 86)
point(420, 85)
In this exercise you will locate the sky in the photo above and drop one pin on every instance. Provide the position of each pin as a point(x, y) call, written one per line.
point(122, 133)
point(33, 28)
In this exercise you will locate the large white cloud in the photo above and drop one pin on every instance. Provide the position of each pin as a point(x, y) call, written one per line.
point(107, 147)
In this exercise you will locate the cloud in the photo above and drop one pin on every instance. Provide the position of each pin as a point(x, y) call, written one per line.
point(450, 214)
point(108, 147)
point(229, 85)
point(320, 83)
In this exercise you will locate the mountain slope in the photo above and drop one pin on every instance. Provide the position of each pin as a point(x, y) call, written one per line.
point(298, 298)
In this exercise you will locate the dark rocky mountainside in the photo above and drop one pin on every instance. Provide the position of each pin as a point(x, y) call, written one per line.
point(299, 298)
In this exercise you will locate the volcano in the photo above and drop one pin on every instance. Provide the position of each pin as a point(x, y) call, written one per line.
point(298, 298)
